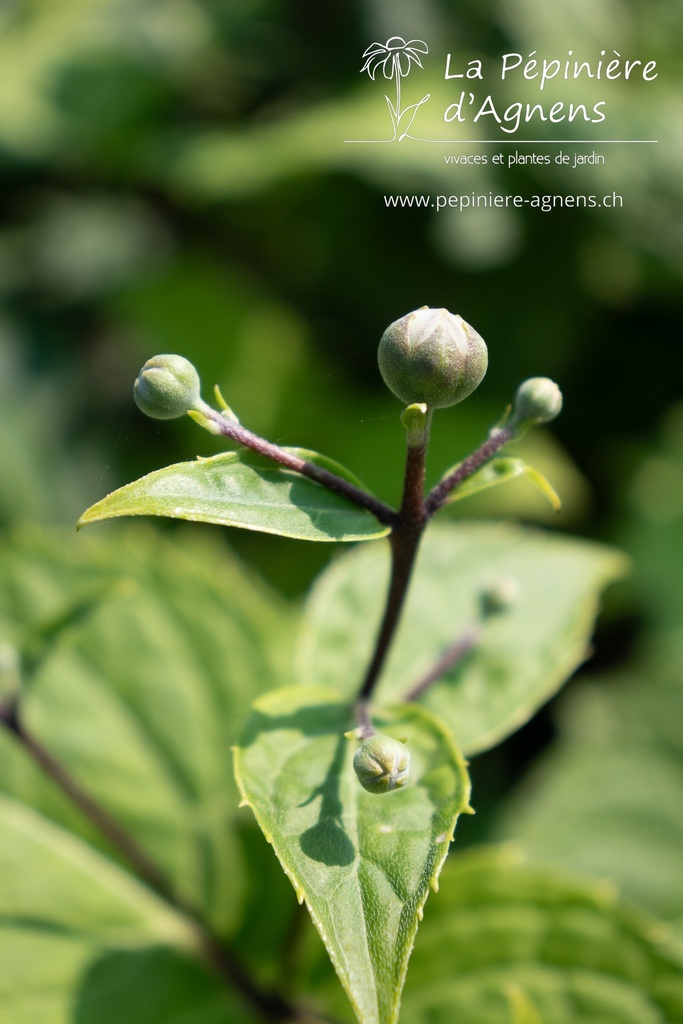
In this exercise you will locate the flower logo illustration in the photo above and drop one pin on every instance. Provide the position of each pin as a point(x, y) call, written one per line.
point(395, 58)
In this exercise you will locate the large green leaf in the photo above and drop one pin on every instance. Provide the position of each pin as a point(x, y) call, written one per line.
point(523, 655)
point(363, 863)
point(141, 698)
point(508, 942)
point(82, 942)
point(505, 933)
point(606, 799)
point(242, 489)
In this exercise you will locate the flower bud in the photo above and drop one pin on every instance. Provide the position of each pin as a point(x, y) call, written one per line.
point(432, 356)
point(499, 596)
point(537, 400)
point(167, 387)
point(382, 764)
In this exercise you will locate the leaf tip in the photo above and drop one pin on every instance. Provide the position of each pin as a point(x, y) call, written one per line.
point(85, 518)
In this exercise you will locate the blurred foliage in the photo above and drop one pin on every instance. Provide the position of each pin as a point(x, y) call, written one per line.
point(136, 678)
point(174, 178)
point(606, 798)
point(520, 658)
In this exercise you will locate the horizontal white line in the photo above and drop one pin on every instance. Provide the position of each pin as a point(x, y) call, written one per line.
point(518, 142)
point(550, 142)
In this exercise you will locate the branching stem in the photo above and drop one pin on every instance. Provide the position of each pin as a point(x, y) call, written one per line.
point(410, 522)
point(236, 432)
point(439, 495)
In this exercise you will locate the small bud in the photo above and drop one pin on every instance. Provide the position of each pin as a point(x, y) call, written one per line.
point(382, 764)
point(415, 418)
point(500, 595)
point(167, 387)
point(537, 400)
point(432, 356)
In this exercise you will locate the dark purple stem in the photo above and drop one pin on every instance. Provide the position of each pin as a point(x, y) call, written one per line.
point(270, 1005)
point(235, 432)
point(404, 540)
point(365, 726)
point(439, 495)
point(454, 654)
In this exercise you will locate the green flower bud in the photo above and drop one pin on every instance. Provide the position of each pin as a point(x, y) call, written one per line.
point(382, 764)
point(537, 400)
point(432, 356)
point(167, 387)
point(500, 595)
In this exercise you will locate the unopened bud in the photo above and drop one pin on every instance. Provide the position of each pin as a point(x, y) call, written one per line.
point(537, 400)
point(167, 386)
point(500, 595)
point(382, 764)
point(432, 356)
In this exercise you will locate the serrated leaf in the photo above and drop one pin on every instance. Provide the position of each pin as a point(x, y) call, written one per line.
point(508, 942)
point(243, 490)
point(501, 471)
point(523, 654)
point(141, 698)
point(363, 863)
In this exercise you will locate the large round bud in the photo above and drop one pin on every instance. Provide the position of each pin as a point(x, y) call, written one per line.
point(167, 387)
point(432, 356)
point(382, 764)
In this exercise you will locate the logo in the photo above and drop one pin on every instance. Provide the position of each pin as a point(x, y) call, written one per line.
point(497, 111)
point(395, 59)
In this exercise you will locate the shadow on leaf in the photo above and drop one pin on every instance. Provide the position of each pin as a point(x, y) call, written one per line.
point(152, 986)
point(327, 841)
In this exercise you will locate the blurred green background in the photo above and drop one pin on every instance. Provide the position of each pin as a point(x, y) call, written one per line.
point(175, 178)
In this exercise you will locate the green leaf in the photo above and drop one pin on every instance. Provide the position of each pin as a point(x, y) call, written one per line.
point(141, 698)
point(523, 655)
point(500, 471)
point(242, 489)
point(606, 799)
point(522, 1007)
point(510, 942)
point(78, 935)
point(363, 863)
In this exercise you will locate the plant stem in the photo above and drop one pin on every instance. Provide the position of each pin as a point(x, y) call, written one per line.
point(365, 726)
point(236, 432)
point(146, 868)
point(439, 495)
point(397, 69)
point(270, 1005)
point(455, 653)
point(408, 527)
point(404, 541)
